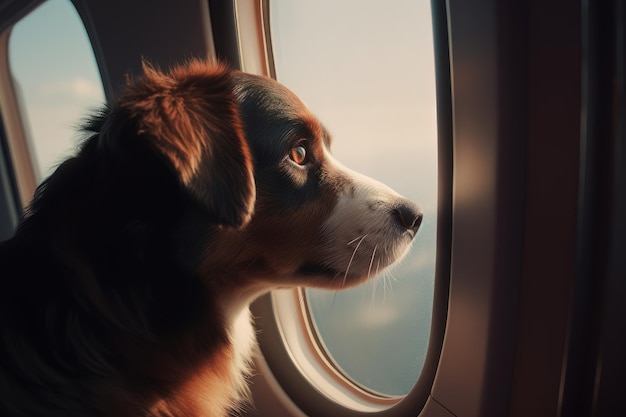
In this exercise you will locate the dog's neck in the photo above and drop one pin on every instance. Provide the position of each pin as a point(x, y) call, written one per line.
point(219, 385)
point(243, 340)
point(242, 337)
point(235, 310)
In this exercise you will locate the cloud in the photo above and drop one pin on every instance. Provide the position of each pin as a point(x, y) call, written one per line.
point(77, 88)
point(381, 316)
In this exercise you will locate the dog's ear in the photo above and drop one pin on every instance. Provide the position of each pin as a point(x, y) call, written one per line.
point(191, 117)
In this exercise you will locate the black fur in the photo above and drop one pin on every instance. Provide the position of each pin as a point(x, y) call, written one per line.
point(102, 311)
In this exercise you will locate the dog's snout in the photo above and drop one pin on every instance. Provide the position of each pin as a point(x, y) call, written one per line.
point(409, 216)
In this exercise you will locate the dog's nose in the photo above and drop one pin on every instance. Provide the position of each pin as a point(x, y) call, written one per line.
point(409, 216)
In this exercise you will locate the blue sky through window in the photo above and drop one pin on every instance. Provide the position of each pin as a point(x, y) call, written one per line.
point(52, 61)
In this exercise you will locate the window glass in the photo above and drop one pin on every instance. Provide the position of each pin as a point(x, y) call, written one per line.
point(56, 78)
point(366, 69)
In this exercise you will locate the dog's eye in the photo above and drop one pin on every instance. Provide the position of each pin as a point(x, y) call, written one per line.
point(298, 154)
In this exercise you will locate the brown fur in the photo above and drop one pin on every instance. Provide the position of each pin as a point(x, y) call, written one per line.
point(178, 112)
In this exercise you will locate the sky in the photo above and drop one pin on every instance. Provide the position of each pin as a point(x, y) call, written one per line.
point(367, 72)
point(51, 59)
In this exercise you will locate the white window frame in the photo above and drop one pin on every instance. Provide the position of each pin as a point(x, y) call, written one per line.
point(301, 340)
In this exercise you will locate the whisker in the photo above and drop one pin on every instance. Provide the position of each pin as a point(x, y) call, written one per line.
point(387, 286)
point(384, 287)
point(392, 277)
point(369, 270)
point(355, 239)
point(345, 275)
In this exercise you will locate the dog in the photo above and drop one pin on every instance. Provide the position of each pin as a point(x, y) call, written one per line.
point(125, 289)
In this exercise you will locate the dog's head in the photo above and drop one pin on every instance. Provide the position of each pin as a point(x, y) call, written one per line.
point(253, 155)
point(315, 222)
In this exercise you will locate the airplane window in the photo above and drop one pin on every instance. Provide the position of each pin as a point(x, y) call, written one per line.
point(57, 80)
point(367, 71)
